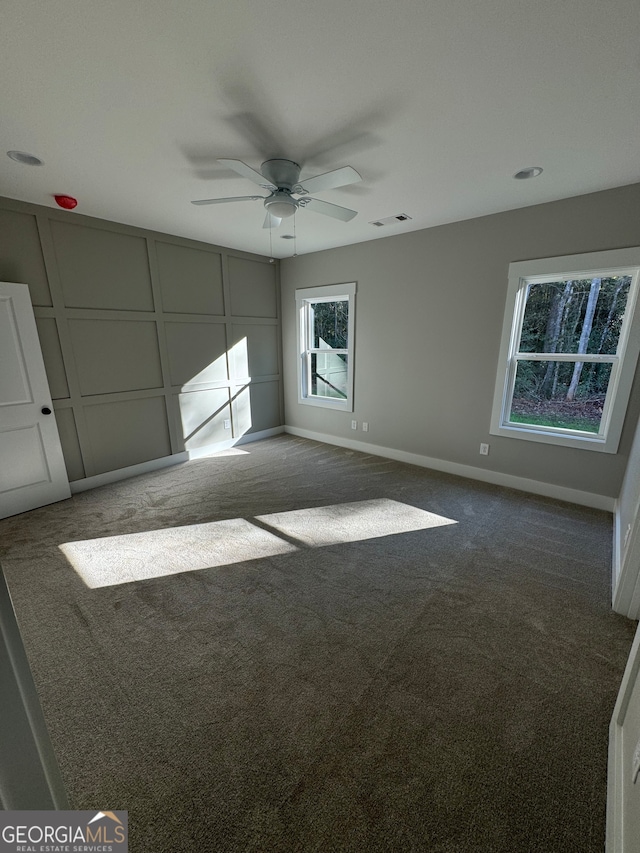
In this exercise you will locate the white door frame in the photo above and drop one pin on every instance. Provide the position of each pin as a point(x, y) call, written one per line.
point(29, 773)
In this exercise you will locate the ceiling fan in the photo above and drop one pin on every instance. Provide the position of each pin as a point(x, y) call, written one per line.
point(281, 177)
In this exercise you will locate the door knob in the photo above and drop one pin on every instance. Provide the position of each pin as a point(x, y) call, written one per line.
point(45, 410)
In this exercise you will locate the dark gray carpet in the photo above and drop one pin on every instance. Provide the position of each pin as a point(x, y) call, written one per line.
point(440, 688)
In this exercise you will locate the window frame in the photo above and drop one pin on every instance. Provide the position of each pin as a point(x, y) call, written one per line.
point(305, 298)
point(583, 266)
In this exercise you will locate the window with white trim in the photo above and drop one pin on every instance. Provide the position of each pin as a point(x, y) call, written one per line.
point(326, 321)
point(569, 349)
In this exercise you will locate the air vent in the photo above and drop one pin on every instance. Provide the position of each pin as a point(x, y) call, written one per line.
point(390, 220)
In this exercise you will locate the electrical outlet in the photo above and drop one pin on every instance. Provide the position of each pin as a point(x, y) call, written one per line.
point(365, 426)
point(484, 450)
point(227, 423)
point(354, 424)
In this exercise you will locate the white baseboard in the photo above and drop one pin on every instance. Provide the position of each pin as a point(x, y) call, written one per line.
point(496, 478)
point(258, 436)
point(166, 461)
point(234, 442)
point(125, 473)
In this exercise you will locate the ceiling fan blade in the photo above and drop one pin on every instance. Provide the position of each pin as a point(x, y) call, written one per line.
point(247, 172)
point(329, 209)
point(225, 200)
point(271, 221)
point(329, 180)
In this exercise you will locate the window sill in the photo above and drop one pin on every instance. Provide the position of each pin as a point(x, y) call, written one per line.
point(327, 403)
point(579, 442)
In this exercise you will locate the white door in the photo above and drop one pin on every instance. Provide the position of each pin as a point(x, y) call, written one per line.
point(32, 469)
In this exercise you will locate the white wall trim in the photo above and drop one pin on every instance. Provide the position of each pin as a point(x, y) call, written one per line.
point(623, 366)
point(496, 478)
point(29, 773)
point(304, 298)
point(615, 778)
point(616, 551)
point(626, 560)
point(125, 473)
point(210, 449)
point(167, 461)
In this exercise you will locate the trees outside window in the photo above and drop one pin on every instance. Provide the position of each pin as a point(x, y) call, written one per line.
point(325, 345)
point(569, 350)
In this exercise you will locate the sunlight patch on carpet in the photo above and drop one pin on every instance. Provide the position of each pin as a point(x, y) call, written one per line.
point(352, 522)
point(156, 553)
point(112, 560)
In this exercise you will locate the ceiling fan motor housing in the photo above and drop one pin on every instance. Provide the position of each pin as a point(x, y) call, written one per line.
point(281, 173)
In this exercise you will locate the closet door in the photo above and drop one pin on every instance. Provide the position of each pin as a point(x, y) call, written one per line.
point(32, 469)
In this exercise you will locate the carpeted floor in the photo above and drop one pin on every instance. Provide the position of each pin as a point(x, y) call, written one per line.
point(296, 647)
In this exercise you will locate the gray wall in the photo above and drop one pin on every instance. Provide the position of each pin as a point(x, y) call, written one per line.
point(429, 311)
point(150, 342)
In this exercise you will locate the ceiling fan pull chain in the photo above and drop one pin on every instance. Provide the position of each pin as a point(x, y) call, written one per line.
point(295, 244)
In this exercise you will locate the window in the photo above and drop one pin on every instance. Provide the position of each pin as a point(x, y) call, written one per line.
point(569, 350)
point(325, 345)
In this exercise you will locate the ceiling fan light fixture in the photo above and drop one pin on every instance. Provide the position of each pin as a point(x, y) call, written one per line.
point(281, 205)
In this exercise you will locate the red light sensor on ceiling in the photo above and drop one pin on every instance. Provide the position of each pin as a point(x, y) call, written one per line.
point(66, 201)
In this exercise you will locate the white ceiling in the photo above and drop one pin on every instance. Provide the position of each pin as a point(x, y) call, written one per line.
point(436, 103)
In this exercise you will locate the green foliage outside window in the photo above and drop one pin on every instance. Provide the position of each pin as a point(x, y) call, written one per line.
point(580, 316)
